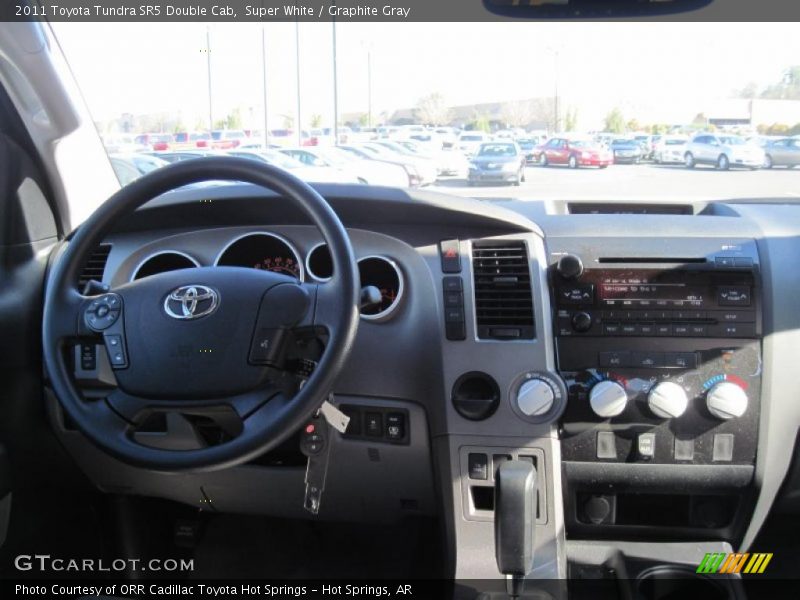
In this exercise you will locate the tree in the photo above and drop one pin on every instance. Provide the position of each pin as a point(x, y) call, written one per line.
point(363, 120)
point(288, 121)
point(749, 91)
point(234, 119)
point(794, 130)
point(634, 125)
point(431, 110)
point(571, 120)
point(700, 120)
point(516, 114)
point(788, 88)
point(614, 121)
point(480, 123)
point(316, 121)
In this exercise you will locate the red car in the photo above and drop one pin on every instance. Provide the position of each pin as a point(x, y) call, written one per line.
point(157, 141)
point(574, 153)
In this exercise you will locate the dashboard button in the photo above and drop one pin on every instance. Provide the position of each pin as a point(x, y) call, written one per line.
point(647, 360)
point(478, 466)
point(615, 359)
point(684, 449)
point(455, 331)
point(723, 447)
point(611, 328)
point(647, 329)
point(734, 316)
point(576, 294)
point(373, 424)
point(646, 445)
point(629, 329)
point(395, 426)
point(733, 330)
point(452, 284)
point(733, 295)
point(680, 360)
point(452, 299)
point(664, 329)
point(451, 256)
point(454, 314)
point(606, 445)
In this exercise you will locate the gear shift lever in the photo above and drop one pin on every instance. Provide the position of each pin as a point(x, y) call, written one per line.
point(514, 516)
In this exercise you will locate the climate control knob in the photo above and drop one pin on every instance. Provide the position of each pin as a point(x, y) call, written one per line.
point(608, 399)
point(535, 397)
point(668, 400)
point(726, 400)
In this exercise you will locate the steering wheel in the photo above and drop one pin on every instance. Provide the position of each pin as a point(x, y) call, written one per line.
point(205, 342)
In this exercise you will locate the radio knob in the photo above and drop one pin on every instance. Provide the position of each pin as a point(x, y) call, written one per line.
point(726, 400)
point(535, 397)
point(581, 322)
point(569, 266)
point(668, 400)
point(608, 399)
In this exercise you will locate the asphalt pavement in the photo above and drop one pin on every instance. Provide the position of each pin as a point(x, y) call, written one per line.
point(644, 182)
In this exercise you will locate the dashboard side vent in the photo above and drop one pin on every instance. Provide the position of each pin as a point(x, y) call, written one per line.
point(503, 298)
point(95, 266)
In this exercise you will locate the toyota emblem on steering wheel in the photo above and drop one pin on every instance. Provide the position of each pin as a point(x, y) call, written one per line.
point(191, 302)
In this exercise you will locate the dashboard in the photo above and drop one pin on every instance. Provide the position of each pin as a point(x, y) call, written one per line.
point(642, 362)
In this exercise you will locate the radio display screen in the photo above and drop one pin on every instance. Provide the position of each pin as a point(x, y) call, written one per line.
point(655, 289)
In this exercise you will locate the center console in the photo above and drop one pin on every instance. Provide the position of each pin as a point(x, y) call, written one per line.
point(661, 357)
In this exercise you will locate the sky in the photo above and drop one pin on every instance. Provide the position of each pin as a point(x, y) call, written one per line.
point(656, 72)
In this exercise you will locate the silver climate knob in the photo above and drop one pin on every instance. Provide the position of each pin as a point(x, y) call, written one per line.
point(668, 400)
point(535, 397)
point(608, 399)
point(726, 400)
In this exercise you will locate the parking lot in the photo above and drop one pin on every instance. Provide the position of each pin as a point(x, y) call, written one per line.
point(638, 182)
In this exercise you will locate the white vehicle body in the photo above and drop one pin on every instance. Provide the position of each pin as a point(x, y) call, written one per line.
point(372, 172)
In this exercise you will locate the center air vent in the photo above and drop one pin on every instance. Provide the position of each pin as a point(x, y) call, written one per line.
point(503, 301)
point(95, 266)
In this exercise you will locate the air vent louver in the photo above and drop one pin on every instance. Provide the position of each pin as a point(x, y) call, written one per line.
point(503, 301)
point(95, 266)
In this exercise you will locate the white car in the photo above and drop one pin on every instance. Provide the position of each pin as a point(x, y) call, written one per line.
point(372, 172)
point(295, 167)
point(670, 149)
point(448, 162)
point(723, 151)
point(382, 150)
point(470, 141)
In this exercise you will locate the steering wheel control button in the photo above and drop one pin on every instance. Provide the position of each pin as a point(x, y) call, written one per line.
point(723, 447)
point(450, 251)
point(478, 466)
point(646, 445)
point(606, 445)
point(103, 312)
point(115, 346)
point(267, 346)
point(454, 321)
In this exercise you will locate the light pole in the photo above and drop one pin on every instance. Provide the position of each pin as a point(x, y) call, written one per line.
point(555, 90)
point(297, 61)
point(335, 87)
point(208, 68)
point(264, 83)
point(368, 47)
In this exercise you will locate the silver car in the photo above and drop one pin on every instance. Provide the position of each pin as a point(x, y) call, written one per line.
point(723, 151)
point(782, 153)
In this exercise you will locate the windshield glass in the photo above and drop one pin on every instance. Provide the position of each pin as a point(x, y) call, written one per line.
point(497, 150)
point(379, 98)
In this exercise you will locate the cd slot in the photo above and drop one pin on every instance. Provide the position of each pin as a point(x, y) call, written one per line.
point(650, 260)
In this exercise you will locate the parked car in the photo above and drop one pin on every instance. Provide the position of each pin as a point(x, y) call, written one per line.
point(448, 136)
point(723, 151)
point(122, 143)
point(425, 167)
point(414, 176)
point(372, 172)
point(448, 162)
point(528, 147)
point(470, 141)
point(497, 162)
point(295, 167)
point(573, 153)
point(626, 150)
point(129, 167)
point(644, 142)
point(225, 139)
point(155, 141)
point(670, 149)
point(186, 140)
point(782, 153)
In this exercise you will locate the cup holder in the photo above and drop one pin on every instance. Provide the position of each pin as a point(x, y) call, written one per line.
point(679, 583)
